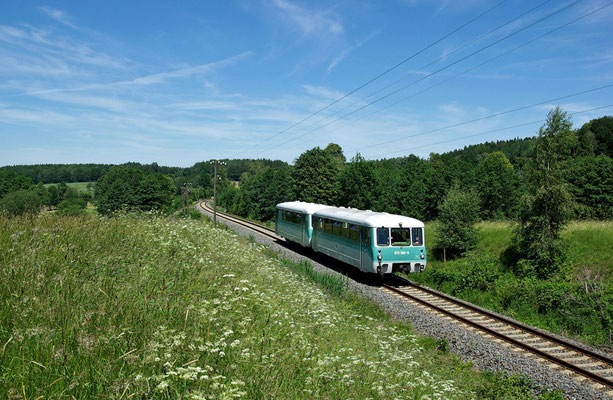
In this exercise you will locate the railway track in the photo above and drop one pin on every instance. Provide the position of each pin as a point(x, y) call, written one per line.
point(263, 230)
point(581, 364)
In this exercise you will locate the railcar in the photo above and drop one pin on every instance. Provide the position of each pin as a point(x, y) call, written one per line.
point(375, 242)
point(294, 221)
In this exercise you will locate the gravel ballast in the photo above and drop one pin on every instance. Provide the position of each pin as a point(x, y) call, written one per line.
point(484, 353)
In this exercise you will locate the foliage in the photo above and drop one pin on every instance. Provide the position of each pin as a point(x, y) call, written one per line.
point(591, 184)
point(12, 182)
point(514, 387)
point(578, 302)
point(596, 137)
point(547, 207)
point(72, 206)
point(458, 214)
point(497, 186)
point(20, 202)
point(131, 188)
point(358, 185)
point(315, 175)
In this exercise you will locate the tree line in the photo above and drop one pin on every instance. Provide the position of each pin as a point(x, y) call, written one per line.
point(499, 173)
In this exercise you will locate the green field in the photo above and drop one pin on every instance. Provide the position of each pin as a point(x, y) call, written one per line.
point(80, 186)
point(141, 307)
point(577, 302)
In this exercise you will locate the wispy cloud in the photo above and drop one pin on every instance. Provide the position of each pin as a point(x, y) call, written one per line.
point(349, 49)
point(58, 15)
point(152, 79)
point(321, 91)
point(310, 22)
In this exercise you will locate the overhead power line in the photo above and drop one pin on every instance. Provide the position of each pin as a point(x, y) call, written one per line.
point(447, 66)
point(483, 133)
point(457, 49)
point(380, 75)
point(489, 116)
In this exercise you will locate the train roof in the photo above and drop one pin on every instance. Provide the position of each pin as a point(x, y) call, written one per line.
point(302, 207)
point(368, 218)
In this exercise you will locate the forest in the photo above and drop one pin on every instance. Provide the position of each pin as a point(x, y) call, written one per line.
point(497, 172)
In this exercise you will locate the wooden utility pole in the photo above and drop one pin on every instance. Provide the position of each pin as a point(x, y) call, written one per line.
point(215, 162)
point(185, 196)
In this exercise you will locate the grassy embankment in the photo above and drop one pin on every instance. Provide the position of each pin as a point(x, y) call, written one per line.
point(139, 307)
point(577, 302)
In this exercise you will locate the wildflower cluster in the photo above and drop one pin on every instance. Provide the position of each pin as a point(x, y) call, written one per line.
point(171, 308)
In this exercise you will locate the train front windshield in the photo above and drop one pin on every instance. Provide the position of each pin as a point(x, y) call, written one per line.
point(400, 237)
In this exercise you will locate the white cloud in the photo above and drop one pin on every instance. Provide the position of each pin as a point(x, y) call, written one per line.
point(321, 91)
point(58, 15)
point(350, 49)
point(310, 22)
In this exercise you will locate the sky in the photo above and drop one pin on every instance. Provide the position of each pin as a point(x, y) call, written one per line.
point(178, 82)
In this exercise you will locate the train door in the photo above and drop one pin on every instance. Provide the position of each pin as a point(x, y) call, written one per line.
point(365, 248)
point(305, 229)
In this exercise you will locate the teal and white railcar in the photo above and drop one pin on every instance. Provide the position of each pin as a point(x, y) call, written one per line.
point(375, 242)
point(294, 221)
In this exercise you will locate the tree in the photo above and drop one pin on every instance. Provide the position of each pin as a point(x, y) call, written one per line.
point(596, 137)
point(314, 177)
point(546, 208)
point(336, 153)
point(131, 188)
point(357, 183)
point(53, 196)
point(591, 184)
point(20, 202)
point(436, 185)
point(11, 182)
point(458, 214)
point(497, 185)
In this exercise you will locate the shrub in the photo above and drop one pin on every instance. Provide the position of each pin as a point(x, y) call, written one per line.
point(21, 202)
point(457, 216)
point(72, 206)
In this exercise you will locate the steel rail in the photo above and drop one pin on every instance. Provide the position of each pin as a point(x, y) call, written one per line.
point(517, 325)
point(250, 225)
point(575, 368)
point(511, 322)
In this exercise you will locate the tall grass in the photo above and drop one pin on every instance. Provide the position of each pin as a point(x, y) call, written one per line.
point(148, 307)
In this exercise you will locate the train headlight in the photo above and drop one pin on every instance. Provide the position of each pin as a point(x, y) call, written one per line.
point(379, 257)
point(423, 256)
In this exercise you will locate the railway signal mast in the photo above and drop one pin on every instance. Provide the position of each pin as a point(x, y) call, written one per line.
point(215, 162)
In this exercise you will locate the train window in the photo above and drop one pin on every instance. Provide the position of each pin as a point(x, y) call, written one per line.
point(328, 226)
point(320, 224)
point(354, 232)
point(337, 228)
point(418, 237)
point(401, 237)
point(383, 236)
point(346, 231)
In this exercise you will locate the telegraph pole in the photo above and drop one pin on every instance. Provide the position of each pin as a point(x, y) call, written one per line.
point(185, 193)
point(215, 162)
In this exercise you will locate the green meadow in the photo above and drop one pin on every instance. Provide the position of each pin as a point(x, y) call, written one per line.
point(154, 307)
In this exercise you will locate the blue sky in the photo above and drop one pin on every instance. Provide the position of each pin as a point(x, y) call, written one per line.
point(181, 82)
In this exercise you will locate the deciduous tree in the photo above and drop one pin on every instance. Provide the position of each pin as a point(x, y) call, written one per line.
point(546, 209)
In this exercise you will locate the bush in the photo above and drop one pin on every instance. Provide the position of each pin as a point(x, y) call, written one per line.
point(72, 206)
point(457, 216)
point(20, 202)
